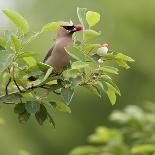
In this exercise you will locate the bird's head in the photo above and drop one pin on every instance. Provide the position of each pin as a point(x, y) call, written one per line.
point(68, 29)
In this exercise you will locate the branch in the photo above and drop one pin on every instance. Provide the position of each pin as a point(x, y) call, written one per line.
point(49, 87)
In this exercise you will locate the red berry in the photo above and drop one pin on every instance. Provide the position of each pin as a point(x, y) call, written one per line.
point(79, 27)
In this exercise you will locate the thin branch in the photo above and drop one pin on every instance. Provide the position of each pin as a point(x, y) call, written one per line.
point(17, 86)
point(49, 87)
point(6, 87)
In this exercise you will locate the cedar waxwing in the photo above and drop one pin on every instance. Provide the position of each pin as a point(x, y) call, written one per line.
point(57, 57)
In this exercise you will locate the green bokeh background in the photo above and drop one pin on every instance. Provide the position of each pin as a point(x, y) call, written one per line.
point(129, 27)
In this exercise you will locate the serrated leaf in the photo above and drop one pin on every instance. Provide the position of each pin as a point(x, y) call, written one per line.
point(108, 69)
point(16, 43)
point(67, 94)
point(92, 18)
point(6, 59)
point(90, 34)
point(71, 73)
point(111, 94)
point(81, 12)
point(52, 26)
point(122, 63)
point(23, 117)
point(79, 65)
point(18, 20)
point(63, 107)
point(75, 53)
point(32, 106)
point(19, 108)
point(30, 61)
point(123, 57)
point(41, 115)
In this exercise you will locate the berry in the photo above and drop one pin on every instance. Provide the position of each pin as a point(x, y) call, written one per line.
point(100, 61)
point(79, 27)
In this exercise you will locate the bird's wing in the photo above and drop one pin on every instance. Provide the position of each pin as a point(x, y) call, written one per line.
point(48, 54)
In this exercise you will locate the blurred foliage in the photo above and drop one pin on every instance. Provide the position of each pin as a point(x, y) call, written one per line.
point(87, 69)
point(135, 134)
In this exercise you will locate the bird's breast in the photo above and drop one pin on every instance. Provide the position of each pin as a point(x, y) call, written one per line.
point(59, 57)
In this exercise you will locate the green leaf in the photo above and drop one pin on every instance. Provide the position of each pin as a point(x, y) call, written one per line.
point(104, 135)
point(67, 94)
point(107, 79)
point(41, 115)
point(75, 53)
point(92, 18)
point(60, 106)
point(48, 73)
point(90, 47)
point(84, 150)
point(16, 44)
point(71, 73)
point(19, 108)
point(122, 63)
point(6, 59)
point(30, 61)
point(92, 89)
point(108, 69)
point(3, 42)
point(81, 12)
point(28, 37)
point(18, 20)
point(111, 94)
point(90, 34)
point(12, 97)
point(43, 67)
point(79, 65)
point(123, 57)
point(28, 54)
point(52, 26)
point(32, 106)
point(51, 120)
point(23, 117)
point(142, 149)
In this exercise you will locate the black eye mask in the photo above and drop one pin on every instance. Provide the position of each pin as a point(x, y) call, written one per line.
point(69, 28)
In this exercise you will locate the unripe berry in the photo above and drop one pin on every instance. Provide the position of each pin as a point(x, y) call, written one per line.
point(100, 61)
point(103, 50)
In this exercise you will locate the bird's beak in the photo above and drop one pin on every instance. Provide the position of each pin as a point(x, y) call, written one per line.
point(74, 30)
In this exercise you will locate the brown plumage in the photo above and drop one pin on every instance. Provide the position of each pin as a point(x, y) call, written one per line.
point(57, 57)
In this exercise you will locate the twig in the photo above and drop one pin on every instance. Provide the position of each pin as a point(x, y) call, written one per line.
point(17, 86)
point(6, 87)
point(51, 87)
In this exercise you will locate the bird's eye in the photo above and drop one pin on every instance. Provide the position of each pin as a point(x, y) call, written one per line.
point(69, 27)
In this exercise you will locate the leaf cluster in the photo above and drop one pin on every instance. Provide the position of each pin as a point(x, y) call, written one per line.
point(50, 89)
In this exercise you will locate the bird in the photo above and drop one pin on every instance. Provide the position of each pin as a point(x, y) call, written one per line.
point(57, 57)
